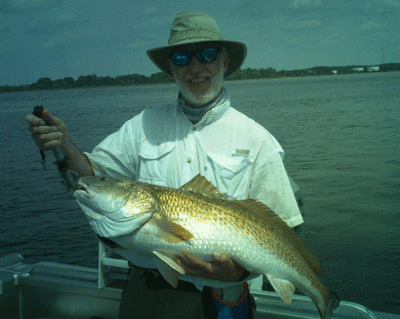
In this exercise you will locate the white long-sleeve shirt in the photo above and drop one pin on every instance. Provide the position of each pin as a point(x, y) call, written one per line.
point(161, 146)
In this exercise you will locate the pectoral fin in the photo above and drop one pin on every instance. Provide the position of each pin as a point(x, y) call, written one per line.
point(168, 268)
point(170, 231)
point(285, 289)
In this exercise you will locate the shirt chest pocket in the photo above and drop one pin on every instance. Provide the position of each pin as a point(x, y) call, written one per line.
point(232, 173)
point(154, 162)
point(229, 165)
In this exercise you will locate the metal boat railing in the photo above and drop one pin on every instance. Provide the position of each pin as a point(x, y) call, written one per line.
point(53, 290)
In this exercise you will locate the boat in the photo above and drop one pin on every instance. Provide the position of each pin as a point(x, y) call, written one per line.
point(54, 290)
point(60, 291)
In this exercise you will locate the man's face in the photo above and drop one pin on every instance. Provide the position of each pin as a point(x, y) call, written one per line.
point(200, 83)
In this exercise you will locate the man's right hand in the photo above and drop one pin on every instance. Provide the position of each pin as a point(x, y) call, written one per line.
point(50, 132)
point(47, 132)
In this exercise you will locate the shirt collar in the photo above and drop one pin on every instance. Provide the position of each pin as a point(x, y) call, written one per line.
point(208, 114)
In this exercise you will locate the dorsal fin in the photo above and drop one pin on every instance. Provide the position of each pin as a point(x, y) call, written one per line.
point(262, 210)
point(199, 184)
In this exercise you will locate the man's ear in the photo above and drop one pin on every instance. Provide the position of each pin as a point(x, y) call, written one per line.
point(226, 62)
point(169, 64)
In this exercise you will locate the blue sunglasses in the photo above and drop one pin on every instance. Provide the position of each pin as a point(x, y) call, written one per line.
point(205, 55)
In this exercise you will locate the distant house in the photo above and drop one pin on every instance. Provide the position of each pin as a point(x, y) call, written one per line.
point(358, 69)
point(373, 68)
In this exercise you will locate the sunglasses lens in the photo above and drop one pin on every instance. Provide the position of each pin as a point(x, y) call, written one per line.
point(181, 58)
point(207, 55)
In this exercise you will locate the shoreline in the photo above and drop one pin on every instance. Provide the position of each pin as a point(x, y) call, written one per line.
point(24, 88)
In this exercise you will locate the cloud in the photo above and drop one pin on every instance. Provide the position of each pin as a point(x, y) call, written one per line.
point(235, 3)
point(331, 40)
point(299, 40)
point(66, 17)
point(248, 33)
point(135, 45)
point(303, 3)
point(371, 26)
point(394, 38)
point(4, 9)
point(27, 3)
point(392, 3)
point(150, 10)
point(61, 38)
point(303, 25)
point(161, 21)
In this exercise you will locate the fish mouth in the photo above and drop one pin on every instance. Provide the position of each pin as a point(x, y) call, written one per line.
point(83, 189)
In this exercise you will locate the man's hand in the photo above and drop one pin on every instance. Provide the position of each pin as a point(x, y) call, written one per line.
point(222, 269)
point(47, 136)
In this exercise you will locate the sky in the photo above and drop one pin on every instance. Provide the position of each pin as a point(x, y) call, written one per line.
point(69, 38)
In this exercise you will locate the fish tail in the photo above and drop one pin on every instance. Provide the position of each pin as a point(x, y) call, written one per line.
point(331, 303)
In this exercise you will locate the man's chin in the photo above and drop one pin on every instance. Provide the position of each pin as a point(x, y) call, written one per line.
point(199, 101)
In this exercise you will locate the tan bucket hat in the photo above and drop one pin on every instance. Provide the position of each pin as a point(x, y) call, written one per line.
point(192, 28)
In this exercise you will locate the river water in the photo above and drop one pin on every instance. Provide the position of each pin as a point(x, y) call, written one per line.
point(341, 135)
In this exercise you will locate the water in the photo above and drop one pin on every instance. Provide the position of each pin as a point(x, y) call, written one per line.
point(341, 135)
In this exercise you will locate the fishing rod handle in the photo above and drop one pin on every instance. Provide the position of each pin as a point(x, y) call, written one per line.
point(61, 160)
point(38, 112)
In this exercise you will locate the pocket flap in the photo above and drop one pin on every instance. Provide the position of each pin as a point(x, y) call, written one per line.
point(150, 151)
point(233, 162)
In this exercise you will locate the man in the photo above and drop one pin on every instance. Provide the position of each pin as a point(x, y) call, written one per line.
point(168, 146)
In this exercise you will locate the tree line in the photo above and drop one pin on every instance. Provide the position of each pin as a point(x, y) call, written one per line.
point(87, 81)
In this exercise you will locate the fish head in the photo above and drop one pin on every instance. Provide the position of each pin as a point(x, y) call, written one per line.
point(114, 206)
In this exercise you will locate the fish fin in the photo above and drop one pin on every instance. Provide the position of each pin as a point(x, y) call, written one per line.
point(263, 212)
point(170, 231)
point(168, 268)
point(285, 289)
point(332, 301)
point(199, 184)
point(165, 257)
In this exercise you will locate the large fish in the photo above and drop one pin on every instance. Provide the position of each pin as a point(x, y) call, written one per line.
point(197, 218)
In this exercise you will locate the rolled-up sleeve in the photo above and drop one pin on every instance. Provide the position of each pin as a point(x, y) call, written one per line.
point(270, 183)
point(115, 155)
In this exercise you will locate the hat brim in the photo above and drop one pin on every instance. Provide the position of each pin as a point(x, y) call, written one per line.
point(237, 53)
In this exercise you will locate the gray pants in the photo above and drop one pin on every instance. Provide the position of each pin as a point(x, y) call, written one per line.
point(139, 301)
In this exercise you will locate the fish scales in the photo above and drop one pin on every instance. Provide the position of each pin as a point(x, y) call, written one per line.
point(191, 212)
point(232, 222)
point(199, 219)
point(232, 216)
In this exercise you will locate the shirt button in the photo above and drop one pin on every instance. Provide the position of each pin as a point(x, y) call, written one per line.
point(189, 160)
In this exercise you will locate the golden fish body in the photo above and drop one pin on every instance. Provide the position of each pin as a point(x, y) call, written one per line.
point(197, 218)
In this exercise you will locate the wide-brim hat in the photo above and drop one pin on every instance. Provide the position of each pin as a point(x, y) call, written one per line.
point(191, 28)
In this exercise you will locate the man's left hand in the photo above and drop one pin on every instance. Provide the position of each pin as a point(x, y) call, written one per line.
point(222, 269)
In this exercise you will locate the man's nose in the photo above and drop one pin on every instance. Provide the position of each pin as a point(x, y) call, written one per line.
point(195, 64)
